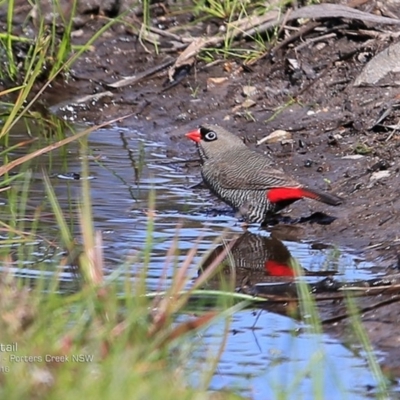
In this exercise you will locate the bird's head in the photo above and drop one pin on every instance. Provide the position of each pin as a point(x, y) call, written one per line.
point(213, 141)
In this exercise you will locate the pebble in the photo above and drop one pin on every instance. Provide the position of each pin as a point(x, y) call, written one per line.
point(379, 175)
point(249, 91)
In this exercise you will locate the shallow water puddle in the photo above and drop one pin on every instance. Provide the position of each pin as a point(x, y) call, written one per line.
point(267, 354)
point(262, 350)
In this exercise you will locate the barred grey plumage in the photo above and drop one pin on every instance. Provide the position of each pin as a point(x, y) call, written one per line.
point(250, 257)
point(245, 179)
point(258, 258)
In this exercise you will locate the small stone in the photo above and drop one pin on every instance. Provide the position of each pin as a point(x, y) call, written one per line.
point(337, 136)
point(78, 33)
point(308, 163)
point(379, 175)
point(249, 91)
point(381, 165)
point(334, 139)
point(181, 117)
point(248, 103)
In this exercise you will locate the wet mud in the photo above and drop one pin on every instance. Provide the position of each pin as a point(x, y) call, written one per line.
point(341, 136)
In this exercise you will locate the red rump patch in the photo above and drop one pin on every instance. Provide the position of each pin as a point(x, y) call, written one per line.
point(274, 268)
point(276, 195)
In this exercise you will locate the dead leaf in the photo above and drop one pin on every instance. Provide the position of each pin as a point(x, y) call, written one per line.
point(275, 137)
point(187, 57)
point(213, 82)
point(380, 69)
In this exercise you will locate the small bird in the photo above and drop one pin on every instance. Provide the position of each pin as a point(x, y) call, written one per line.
point(245, 179)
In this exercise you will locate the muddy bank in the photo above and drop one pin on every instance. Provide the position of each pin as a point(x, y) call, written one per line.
point(330, 120)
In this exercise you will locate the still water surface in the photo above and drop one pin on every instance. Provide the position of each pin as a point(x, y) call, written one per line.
point(265, 352)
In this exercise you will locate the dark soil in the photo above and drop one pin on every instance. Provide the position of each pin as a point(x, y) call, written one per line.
point(305, 88)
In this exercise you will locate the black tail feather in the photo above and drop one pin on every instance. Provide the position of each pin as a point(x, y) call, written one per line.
point(323, 197)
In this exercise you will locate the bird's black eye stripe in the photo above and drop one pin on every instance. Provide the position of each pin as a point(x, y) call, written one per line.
point(207, 134)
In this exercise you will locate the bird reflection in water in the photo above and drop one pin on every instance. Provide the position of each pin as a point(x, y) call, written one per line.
point(256, 259)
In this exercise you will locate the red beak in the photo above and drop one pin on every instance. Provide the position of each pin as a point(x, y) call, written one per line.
point(194, 135)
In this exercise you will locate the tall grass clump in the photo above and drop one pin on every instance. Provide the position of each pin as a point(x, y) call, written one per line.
point(47, 56)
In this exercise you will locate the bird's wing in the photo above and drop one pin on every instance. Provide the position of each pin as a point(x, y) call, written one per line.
point(248, 176)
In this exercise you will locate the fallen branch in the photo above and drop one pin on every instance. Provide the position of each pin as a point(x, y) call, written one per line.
point(326, 289)
point(322, 11)
point(362, 310)
point(130, 80)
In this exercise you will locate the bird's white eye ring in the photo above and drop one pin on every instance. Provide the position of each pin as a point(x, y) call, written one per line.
point(209, 136)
